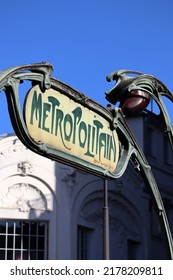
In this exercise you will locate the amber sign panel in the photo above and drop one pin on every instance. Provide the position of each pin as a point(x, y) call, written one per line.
point(60, 122)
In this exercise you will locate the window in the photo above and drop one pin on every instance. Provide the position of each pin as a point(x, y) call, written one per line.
point(155, 224)
point(23, 240)
point(133, 249)
point(83, 243)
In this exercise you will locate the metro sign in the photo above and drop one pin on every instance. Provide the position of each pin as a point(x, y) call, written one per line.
point(61, 123)
point(71, 128)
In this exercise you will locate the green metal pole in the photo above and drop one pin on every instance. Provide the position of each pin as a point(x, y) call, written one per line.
point(106, 245)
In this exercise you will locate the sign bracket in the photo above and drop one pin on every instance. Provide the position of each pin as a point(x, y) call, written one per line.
point(124, 144)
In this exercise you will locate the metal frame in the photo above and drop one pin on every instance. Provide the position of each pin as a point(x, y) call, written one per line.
point(126, 81)
point(10, 80)
point(40, 73)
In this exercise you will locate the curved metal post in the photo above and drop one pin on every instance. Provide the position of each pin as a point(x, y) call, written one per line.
point(135, 153)
point(156, 89)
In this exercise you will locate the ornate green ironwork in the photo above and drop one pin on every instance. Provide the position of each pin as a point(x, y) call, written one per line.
point(131, 150)
point(126, 83)
point(10, 81)
point(40, 74)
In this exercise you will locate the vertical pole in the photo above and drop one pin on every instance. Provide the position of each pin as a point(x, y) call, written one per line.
point(106, 253)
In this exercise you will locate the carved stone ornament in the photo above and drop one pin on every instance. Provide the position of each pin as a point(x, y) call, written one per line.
point(68, 176)
point(23, 197)
point(24, 168)
point(9, 148)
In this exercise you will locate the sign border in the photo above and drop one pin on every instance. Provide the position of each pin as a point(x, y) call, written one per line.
point(69, 159)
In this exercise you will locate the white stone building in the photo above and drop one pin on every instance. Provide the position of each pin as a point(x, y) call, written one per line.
point(52, 211)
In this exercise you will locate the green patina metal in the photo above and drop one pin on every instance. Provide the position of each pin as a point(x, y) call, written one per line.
point(126, 82)
point(40, 74)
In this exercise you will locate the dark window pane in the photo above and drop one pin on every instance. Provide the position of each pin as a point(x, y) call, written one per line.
point(33, 242)
point(40, 255)
point(3, 227)
point(41, 229)
point(10, 227)
point(83, 242)
point(18, 242)
point(18, 227)
point(2, 241)
point(10, 241)
point(33, 228)
point(18, 255)
point(2, 254)
point(25, 228)
point(33, 255)
point(25, 255)
point(25, 242)
point(9, 255)
point(41, 243)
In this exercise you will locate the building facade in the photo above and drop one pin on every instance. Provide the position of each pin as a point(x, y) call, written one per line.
point(52, 211)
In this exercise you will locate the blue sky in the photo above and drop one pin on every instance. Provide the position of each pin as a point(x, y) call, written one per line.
point(85, 40)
